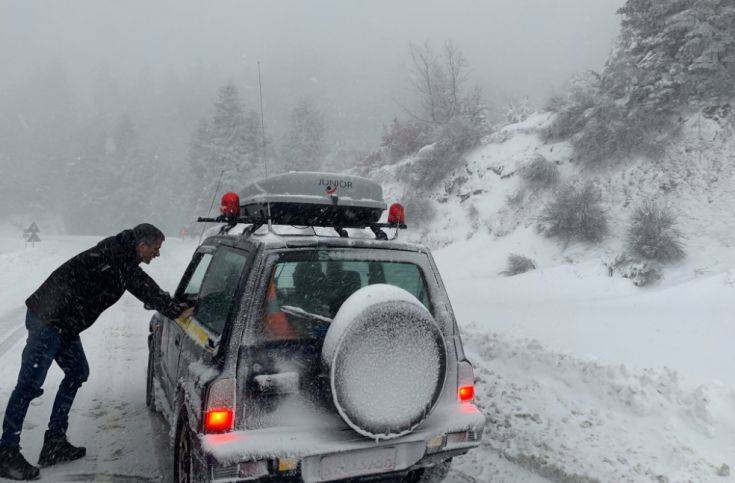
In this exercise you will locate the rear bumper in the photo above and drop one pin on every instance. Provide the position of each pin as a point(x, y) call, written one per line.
point(324, 454)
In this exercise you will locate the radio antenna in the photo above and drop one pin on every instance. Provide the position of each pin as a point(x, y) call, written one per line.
point(262, 122)
point(214, 197)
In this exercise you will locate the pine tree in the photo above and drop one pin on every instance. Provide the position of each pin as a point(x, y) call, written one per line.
point(672, 55)
point(230, 151)
point(304, 144)
point(227, 148)
point(200, 148)
point(675, 52)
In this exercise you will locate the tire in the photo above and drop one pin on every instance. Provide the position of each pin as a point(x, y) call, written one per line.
point(149, 392)
point(387, 361)
point(183, 463)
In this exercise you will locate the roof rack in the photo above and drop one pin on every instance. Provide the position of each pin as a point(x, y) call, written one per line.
point(310, 199)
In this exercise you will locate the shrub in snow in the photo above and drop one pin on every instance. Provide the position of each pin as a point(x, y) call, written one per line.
point(403, 138)
point(451, 141)
point(516, 198)
point(540, 173)
point(571, 112)
point(555, 103)
point(517, 109)
point(640, 272)
point(419, 210)
point(459, 134)
point(518, 264)
point(607, 134)
point(575, 214)
point(653, 235)
point(602, 130)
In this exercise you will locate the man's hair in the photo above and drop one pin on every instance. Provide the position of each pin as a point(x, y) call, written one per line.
point(148, 234)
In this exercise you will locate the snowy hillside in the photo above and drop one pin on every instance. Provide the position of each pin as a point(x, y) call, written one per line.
point(583, 375)
point(487, 195)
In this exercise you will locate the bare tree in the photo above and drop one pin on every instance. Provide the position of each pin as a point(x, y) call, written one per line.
point(440, 81)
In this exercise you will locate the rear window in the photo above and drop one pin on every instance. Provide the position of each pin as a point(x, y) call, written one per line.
point(303, 296)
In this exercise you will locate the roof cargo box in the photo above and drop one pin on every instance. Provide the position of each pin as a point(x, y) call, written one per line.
point(314, 199)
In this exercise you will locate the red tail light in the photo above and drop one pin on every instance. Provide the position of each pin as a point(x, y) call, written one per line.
point(230, 205)
point(218, 420)
point(466, 393)
point(396, 214)
point(465, 382)
point(219, 412)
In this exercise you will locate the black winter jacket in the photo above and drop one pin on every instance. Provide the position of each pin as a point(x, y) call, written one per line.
point(77, 292)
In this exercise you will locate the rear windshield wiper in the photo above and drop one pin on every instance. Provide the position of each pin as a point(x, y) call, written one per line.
point(299, 312)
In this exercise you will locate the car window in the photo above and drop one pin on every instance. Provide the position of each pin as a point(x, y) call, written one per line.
point(303, 296)
point(195, 282)
point(219, 288)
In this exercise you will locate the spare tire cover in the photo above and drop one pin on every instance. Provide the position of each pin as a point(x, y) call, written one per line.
point(387, 361)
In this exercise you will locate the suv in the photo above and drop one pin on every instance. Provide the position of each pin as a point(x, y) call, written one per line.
point(312, 357)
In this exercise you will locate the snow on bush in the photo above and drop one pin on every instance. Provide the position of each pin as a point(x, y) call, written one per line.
point(386, 360)
point(518, 264)
point(540, 173)
point(575, 213)
point(403, 138)
point(515, 199)
point(641, 272)
point(419, 210)
point(653, 235)
point(517, 109)
point(451, 141)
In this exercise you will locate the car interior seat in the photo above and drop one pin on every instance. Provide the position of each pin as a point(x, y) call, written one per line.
point(344, 284)
point(310, 286)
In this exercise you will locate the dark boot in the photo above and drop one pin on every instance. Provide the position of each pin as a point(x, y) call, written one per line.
point(56, 449)
point(14, 466)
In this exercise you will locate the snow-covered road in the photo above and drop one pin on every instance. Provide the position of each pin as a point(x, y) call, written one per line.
point(124, 440)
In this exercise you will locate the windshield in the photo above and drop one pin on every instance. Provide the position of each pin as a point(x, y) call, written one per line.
point(304, 296)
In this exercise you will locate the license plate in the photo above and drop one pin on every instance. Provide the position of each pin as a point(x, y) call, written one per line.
point(358, 463)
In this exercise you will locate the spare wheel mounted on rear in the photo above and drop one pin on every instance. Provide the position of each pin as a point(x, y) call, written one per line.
point(386, 358)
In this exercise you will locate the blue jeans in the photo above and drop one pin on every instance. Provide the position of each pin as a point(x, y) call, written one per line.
point(44, 345)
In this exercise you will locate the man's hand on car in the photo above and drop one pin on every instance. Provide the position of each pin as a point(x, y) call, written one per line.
point(186, 311)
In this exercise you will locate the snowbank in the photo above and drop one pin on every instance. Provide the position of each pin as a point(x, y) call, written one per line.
point(570, 419)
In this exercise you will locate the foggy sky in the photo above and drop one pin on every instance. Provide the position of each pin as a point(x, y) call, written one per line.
point(350, 55)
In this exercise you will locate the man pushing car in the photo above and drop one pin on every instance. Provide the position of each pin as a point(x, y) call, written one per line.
point(69, 301)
